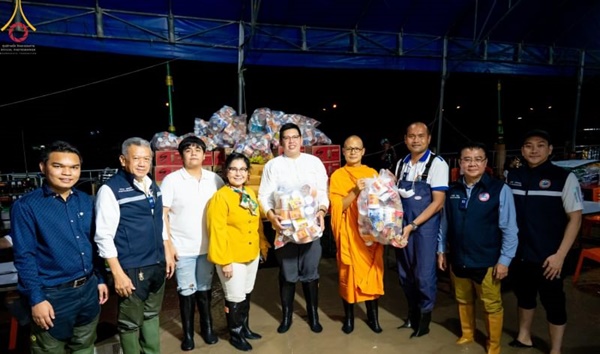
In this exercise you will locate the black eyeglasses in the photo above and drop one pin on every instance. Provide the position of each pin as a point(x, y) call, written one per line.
point(352, 150)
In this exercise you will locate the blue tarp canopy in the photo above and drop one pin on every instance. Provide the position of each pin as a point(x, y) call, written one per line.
point(525, 37)
point(508, 37)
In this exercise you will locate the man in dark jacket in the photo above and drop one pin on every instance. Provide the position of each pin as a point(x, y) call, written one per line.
point(129, 236)
point(549, 202)
point(480, 227)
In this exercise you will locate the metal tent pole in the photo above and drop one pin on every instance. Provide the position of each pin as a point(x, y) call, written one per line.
point(442, 90)
point(578, 99)
point(240, 69)
point(169, 82)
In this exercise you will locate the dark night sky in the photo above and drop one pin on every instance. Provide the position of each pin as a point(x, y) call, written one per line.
point(96, 100)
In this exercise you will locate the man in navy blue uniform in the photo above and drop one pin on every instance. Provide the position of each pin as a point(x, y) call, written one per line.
point(129, 236)
point(480, 225)
point(60, 273)
point(422, 183)
point(549, 202)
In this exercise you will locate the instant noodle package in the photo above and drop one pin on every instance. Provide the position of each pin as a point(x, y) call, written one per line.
point(380, 212)
point(298, 210)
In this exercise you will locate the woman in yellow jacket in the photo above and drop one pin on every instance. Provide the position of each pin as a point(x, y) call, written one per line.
point(237, 243)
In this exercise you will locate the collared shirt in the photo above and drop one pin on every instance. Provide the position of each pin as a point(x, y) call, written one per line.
point(284, 173)
point(52, 240)
point(186, 197)
point(507, 223)
point(438, 172)
point(108, 218)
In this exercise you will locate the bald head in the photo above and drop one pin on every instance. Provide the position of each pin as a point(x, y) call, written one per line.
point(353, 150)
point(418, 125)
point(353, 140)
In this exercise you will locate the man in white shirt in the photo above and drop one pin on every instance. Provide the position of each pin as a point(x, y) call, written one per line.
point(185, 193)
point(298, 262)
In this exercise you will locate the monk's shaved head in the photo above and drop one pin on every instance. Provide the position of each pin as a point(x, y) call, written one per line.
point(354, 141)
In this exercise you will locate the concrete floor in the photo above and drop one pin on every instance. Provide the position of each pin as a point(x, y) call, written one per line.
point(582, 332)
point(582, 337)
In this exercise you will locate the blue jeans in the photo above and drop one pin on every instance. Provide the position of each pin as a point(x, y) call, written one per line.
point(194, 273)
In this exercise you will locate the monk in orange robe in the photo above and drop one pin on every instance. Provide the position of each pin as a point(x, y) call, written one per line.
point(360, 266)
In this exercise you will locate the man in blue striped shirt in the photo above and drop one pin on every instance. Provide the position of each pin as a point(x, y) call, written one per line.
point(60, 273)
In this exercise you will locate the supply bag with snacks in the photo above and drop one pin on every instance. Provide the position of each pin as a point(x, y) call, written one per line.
point(380, 211)
point(297, 208)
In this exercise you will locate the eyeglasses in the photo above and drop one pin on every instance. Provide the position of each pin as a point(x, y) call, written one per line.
point(353, 149)
point(235, 170)
point(477, 160)
point(290, 137)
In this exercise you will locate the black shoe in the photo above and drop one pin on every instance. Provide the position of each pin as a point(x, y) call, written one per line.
point(406, 324)
point(517, 344)
point(373, 315)
point(311, 293)
point(423, 327)
point(287, 291)
point(187, 309)
point(348, 325)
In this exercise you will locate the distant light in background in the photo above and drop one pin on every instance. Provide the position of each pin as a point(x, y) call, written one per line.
point(549, 107)
point(334, 106)
point(166, 104)
point(458, 107)
point(519, 118)
point(531, 108)
point(324, 109)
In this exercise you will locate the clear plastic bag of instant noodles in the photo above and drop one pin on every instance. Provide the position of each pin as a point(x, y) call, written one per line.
point(380, 211)
point(298, 210)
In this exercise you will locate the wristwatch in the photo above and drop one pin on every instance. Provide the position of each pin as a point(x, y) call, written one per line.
point(414, 226)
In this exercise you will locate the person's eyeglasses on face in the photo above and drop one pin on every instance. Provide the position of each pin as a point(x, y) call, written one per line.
point(353, 150)
point(476, 160)
point(290, 137)
point(236, 170)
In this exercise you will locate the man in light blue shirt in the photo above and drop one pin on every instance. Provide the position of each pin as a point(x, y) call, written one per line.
point(480, 228)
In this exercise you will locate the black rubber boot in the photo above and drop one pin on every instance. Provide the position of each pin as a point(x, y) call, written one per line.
point(287, 291)
point(423, 327)
point(187, 308)
point(246, 331)
point(311, 293)
point(411, 319)
point(348, 326)
point(203, 298)
point(373, 315)
point(235, 325)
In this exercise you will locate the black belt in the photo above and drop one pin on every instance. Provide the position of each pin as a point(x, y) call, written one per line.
point(73, 283)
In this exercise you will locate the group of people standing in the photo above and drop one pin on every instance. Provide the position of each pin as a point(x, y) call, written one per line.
point(478, 227)
point(198, 222)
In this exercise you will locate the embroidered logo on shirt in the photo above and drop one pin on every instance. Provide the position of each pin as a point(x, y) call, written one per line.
point(545, 184)
point(484, 197)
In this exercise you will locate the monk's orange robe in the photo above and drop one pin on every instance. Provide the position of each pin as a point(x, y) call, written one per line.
point(360, 266)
